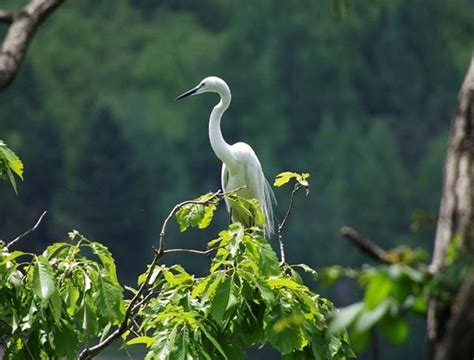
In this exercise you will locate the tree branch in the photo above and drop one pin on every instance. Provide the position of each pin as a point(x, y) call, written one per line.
point(15, 240)
point(367, 247)
point(135, 304)
point(281, 226)
point(24, 24)
point(6, 16)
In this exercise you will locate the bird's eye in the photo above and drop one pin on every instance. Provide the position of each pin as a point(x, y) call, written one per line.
point(202, 85)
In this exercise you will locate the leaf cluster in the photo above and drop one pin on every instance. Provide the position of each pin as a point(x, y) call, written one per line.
point(246, 299)
point(391, 294)
point(53, 302)
point(10, 165)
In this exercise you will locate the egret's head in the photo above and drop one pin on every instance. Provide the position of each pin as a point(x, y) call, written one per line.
point(209, 84)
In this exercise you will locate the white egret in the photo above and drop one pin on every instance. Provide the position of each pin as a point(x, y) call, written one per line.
point(241, 166)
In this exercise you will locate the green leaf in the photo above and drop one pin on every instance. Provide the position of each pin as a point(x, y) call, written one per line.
point(308, 269)
point(284, 329)
point(147, 340)
point(345, 316)
point(89, 317)
point(176, 279)
point(268, 261)
point(213, 340)
point(286, 283)
point(165, 346)
point(207, 217)
point(395, 329)
point(378, 289)
point(200, 215)
point(283, 178)
point(43, 281)
point(236, 232)
point(106, 258)
point(56, 247)
point(72, 295)
point(109, 299)
point(66, 341)
point(55, 304)
point(12, 180)
point(368, 318)
point(221, 299)
point(13, 161)
point(360, 340)
point(12, 256)
point(265, 291)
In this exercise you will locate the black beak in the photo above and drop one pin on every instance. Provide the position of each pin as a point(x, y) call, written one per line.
point(188, 93)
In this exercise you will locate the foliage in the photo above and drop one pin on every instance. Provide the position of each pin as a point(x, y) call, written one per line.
point(53, 302)
point(285, 177)
point(245, 300)
point(71, 292)
point(10, 165)
point(391, 294)
point(394, 293)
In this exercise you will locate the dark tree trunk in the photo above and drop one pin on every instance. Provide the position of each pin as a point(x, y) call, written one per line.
point(451, 328)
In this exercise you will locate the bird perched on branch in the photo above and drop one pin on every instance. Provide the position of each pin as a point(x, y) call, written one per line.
point(241, 167)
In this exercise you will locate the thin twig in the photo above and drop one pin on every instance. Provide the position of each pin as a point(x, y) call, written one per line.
point(19, 237)
point(143, 301)
point(283, 223)
point(369, 248)
point(191, 251)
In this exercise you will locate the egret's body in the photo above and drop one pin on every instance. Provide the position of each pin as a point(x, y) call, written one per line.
point(241, 167)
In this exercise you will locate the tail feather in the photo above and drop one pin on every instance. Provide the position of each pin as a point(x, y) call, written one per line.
point(267, 207)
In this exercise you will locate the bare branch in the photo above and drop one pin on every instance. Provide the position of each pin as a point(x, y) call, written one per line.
point(19, 237)
point(191, 251)
point(6, 16)
point(24, 24)
point(369, 248)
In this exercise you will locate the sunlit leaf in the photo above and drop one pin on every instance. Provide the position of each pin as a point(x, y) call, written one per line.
point(43, 281)
point(109, 299)
point(221, 299)
point(283, 178)
point(377, 290)
point(146, 340)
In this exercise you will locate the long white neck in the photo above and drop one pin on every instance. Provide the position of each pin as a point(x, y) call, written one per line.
point(221, 148)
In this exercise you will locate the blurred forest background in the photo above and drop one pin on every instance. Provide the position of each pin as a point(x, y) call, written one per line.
point(362, 101)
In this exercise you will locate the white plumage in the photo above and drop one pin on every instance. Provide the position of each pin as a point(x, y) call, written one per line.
point(241, 166)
